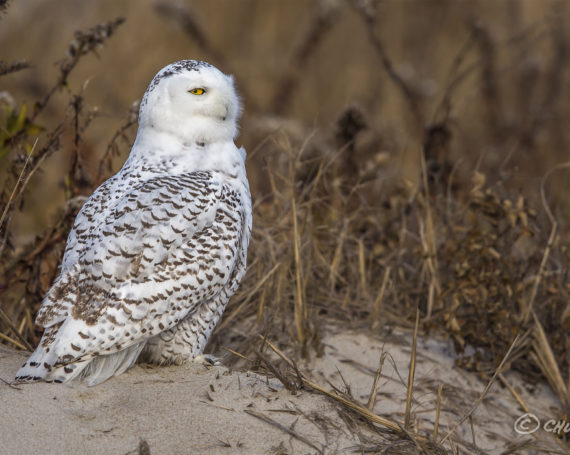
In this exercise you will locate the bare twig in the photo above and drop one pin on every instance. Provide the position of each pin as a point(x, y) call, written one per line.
point(300, 310)
point(485, 391)
point(374, 391)
point(437, 412)
point(321, 23)
point(550, 243)
point(185, 17)
point(8, 322)
point(369, 17)
point(9, 384)
point(545, 359)
point(18, 189)
point(112, 148)
point(411, 373)
point(14, 342)
point(377, 305)
point(283, 428)
point(7, 68)
point(83, 43)
point(275, 371)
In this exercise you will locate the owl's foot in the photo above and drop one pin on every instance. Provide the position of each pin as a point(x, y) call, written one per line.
point(207, 360)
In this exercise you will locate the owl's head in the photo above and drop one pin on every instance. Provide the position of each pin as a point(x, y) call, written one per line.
point(192, 101)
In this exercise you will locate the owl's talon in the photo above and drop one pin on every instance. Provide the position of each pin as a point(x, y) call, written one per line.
point(207, 360)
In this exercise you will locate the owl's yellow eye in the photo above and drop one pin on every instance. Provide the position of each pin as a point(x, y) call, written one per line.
point(197, 91)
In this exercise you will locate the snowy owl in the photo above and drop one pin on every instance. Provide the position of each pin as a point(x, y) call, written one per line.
point(158, 249)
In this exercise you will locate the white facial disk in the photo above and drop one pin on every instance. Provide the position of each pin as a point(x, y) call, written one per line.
point(193, 102)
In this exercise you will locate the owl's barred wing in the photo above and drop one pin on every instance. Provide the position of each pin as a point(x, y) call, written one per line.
point(151, 221)
point(160, 241)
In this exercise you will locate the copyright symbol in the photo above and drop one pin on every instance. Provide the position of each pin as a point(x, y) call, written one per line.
point(527, 424)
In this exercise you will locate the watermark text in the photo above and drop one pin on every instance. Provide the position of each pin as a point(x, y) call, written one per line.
point(529, 423)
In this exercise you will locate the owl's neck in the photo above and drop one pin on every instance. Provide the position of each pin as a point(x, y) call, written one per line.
point(167, 152)
point(201, 130)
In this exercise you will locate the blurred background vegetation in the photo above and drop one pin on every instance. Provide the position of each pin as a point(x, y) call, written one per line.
point(504, 66)
point(343, 102)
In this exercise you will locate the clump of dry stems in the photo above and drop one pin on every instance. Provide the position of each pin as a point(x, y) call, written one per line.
point(27, 271)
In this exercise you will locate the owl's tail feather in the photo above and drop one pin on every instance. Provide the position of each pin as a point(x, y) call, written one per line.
point(103, 367)
point(43, 366)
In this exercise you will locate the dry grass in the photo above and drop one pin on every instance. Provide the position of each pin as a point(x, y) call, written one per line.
point(340, 233)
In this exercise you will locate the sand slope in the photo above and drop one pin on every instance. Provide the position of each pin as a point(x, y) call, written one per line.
point(194, 409)
point(180, 410)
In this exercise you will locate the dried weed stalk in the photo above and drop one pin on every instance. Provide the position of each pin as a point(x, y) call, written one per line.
point(27, 271)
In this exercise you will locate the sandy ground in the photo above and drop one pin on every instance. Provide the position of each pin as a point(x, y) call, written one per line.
point(198, 410)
